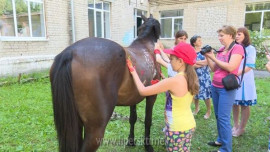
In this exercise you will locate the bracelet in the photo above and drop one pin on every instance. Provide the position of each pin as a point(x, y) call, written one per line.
point(156, 51)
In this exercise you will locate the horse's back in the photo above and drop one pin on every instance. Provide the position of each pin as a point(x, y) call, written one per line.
point(99, 56)
point(99, 51)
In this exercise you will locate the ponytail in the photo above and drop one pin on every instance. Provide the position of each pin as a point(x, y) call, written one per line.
point(192, 79)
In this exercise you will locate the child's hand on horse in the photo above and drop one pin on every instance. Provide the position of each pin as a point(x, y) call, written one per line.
point(131, 68)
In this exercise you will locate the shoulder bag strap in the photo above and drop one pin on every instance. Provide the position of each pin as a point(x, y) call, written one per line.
point(245, 59)
point(244, 65)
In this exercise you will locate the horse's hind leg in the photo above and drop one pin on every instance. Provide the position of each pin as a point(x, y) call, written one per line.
point(95, 109)
point(150, 100)
point(132, 121)
point(95, 124)
point(93, 138)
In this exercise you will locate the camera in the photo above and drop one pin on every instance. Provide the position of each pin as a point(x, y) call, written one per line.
point(206, 49)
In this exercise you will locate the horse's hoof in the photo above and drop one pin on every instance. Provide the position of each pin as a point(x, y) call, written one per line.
point(149, 148)
point(131, 142)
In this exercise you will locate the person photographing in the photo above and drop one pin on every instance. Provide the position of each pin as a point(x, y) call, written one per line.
point(227, 61)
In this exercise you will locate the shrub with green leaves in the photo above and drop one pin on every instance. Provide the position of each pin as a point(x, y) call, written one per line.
point(258, 40)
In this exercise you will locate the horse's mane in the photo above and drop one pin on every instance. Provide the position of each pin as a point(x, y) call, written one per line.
point(150, 28)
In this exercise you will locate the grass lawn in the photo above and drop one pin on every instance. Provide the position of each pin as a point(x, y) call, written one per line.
point(26, 122)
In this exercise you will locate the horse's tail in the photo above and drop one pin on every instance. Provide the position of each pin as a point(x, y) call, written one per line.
point(66, 118)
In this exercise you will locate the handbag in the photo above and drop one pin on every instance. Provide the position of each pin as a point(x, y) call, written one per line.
point(230, 82)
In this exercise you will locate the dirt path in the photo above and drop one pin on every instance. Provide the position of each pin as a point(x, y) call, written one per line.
point(261, 74)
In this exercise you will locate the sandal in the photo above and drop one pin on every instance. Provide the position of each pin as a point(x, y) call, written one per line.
point(234, 130)
point(214, 144)
point(206, 116)
point(196, 112)
point(237, 134)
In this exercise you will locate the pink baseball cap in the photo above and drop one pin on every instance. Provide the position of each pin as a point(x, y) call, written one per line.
point(184, 51)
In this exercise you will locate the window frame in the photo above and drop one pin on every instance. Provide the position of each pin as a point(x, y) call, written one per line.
point(172, 27)
point(102, 11)
point(30, 38)
point(144, 12)
point(262, 16)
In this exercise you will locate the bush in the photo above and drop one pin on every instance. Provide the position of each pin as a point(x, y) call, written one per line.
point(258, 42)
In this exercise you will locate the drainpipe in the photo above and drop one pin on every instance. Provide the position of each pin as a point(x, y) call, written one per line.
point(72, 21)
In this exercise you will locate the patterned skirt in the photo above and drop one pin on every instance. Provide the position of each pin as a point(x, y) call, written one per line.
point(178, 140)
point(245, 102)
point(205, 87)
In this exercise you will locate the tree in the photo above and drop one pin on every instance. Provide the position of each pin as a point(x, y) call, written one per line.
point(5, 7)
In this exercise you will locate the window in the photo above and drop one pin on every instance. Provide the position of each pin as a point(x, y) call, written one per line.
point(22, 19)
point(138, 20)
point(99, 18)
point(171, 22)
point(258, 18)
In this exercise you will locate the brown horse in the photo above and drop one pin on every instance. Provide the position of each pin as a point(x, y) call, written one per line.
point(90, 77)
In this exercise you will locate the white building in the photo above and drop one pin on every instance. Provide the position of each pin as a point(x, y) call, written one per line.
point(32, 32)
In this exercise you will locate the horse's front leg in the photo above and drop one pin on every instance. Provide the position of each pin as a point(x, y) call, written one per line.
point(132, 121)
point(150, 100)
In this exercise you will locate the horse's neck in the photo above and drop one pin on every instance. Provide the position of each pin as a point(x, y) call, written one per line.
point(148, 44)
point(139, 46)
point(148, 36)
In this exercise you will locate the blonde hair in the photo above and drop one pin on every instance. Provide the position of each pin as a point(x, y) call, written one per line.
point(192, 79)
point(228, 29)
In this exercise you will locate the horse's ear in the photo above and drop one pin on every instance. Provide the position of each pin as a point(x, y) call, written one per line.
point(151, 15)
point(144, 18)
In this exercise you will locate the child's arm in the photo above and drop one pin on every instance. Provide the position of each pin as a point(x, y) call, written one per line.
point(159, 87)
point(164, 56)
point(161, 61)
point(161, 57)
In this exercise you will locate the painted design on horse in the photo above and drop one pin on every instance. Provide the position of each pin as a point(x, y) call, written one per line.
point(151, 65)
point(90, 77)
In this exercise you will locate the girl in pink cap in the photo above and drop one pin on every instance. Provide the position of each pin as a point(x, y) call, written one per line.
point(162, 58)
point(180, 89)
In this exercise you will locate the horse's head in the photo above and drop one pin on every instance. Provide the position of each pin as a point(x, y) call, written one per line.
point(150, 28)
